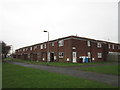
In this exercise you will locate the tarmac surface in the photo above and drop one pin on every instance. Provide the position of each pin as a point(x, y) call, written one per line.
point(104, 78)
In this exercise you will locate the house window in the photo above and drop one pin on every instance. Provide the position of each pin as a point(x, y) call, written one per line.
point(99, 44)
point(118, 46)
point(41, 46)
point(26, 49)
point(61, 54)
point(73, 47)
point(113, 46)
point(29, 56)
point(30, 48)
point(45, 45)
point(89, 54)
point(35, 47)
point(109, 46)
point(23, 49)
point(61, 42)
point(99, 55)
point(52, 43)
point(88, 43)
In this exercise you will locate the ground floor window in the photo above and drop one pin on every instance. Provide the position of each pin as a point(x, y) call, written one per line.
point(61, 54)
point(89, 54)
point(28, 56)
point(99, 55)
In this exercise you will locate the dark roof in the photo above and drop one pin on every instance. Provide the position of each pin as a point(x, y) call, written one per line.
point(72, 36)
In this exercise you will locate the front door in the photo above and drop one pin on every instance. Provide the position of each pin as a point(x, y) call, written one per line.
point(74, 57)
point(51, 57)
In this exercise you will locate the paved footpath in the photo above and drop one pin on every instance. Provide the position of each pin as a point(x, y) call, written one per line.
point(104, 78)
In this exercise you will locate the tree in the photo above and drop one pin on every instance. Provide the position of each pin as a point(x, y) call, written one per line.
point(5, 49)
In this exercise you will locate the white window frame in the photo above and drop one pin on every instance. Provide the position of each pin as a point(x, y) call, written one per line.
point(113, 46)
point(35, 47)
point(23, 49)
point(99, 55)
point(89, 54)
point(52, 43)
point(61, 43)
point(118, 46)
point(29, 55)
point(26, 49)
point(109, 46)
point(99, 44)
point(88, 43)
point(73, 47)
point(44, 45)
point(30, 48)
point(61, 54)
point(41, 46)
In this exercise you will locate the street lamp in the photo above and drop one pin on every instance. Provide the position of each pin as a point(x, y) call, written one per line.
point(48, 54)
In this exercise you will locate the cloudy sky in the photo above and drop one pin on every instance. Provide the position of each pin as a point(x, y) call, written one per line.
point(22, 21)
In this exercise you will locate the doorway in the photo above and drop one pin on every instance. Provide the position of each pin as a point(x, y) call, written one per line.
point(51, 57)
point(74, 57)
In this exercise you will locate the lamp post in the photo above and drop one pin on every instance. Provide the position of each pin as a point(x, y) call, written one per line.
point(48, 54)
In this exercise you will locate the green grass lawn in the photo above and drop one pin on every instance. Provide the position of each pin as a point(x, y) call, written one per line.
point(57, 63)
point(108, 69)
point(15, 76)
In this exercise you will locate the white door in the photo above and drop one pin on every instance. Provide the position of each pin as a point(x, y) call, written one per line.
point(74, 57)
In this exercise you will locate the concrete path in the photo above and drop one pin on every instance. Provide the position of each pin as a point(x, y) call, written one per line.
point(104, 78)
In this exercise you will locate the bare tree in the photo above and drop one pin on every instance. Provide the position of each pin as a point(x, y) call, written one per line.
point(5, 49)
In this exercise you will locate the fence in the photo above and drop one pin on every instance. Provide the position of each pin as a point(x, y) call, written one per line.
point(113, 56)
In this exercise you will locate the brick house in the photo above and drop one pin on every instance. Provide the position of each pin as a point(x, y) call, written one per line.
point(69, 49)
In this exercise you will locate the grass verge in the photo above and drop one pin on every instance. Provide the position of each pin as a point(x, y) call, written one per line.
point(56, 63)
point(15, 76)
point(108, 69)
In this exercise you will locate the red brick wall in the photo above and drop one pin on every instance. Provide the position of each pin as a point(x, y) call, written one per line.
point(81, 48)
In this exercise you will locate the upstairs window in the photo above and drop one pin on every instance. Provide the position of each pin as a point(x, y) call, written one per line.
point(61, 54)
point(52, 43)
point(30, 48)
point(99, 44)
point(20, 50)
point(35, 47)
point(26, 49)
point(23, 49)
point(109, 46)
point(99, 55)
point(118, 46)
point(88, 43)
point(44, 45)
point(41, 46)
point(61, 43)
point(113, 47)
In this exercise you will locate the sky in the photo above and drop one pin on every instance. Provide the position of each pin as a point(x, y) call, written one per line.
point(22, 22)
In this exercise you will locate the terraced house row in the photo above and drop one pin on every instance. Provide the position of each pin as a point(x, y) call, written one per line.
point(69, 49)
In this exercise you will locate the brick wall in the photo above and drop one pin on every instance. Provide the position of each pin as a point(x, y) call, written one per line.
point(72, 44)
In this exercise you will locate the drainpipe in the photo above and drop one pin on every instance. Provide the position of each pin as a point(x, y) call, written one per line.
point(90, 51)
